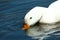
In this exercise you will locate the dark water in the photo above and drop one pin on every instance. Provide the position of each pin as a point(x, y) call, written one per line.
point(12, 13)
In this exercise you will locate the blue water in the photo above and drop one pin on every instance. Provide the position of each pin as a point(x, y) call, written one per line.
point(12, 13)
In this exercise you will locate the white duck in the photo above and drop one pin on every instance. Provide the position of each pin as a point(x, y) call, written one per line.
point(50, 15)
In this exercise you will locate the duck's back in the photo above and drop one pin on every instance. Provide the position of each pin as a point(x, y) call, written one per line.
point(52, 14)
point(55, 5)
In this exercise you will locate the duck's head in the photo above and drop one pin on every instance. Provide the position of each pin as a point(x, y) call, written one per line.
point(32, 17)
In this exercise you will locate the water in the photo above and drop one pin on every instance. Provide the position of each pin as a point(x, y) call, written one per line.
point(43, 31)
point(12, 13)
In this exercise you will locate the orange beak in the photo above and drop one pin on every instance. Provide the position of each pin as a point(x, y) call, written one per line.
point(26, 26)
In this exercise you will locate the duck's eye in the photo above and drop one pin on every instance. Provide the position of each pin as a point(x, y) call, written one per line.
point(30, 17)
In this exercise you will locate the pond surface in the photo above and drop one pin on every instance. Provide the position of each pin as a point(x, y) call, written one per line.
point(12, 13)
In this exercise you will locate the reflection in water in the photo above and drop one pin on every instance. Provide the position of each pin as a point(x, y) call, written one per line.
point(41, 31)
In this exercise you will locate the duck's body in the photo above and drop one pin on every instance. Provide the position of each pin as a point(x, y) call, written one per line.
point(50, 16)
